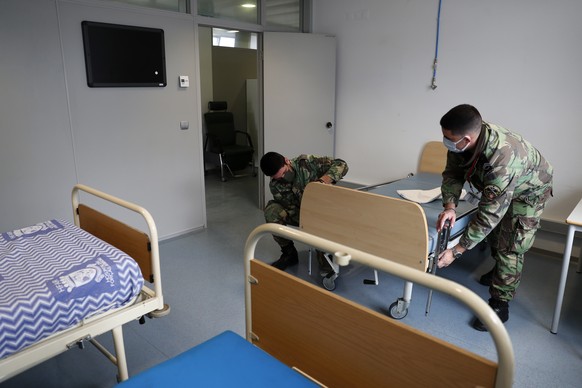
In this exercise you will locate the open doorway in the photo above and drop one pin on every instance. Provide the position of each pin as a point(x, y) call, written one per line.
point(229, 72)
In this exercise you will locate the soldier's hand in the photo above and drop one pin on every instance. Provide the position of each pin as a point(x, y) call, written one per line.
point(447, 214)
point(325, 179)
point(445, 258)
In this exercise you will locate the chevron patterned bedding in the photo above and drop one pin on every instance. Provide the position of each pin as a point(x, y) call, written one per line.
point(52, 276)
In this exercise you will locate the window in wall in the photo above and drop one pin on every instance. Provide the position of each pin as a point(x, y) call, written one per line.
point(167, 5)
point(233, 38)
point(283, 15)
point(280, 15)
point(239, 10)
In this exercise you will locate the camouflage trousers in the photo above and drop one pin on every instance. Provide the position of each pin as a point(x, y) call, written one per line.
point(276, 213)
point(509, 241)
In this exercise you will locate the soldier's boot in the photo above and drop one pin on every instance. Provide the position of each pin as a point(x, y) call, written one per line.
point(500, 307)
point(288, 257)
point(324, 266)
point(487, 279)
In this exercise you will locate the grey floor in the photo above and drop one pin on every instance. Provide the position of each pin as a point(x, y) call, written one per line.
point(203, 283)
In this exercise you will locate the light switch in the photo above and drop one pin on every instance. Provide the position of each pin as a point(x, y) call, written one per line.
point(184, 81)
point(184, 125)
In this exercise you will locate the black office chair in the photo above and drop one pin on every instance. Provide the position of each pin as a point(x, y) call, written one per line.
point(221, 139)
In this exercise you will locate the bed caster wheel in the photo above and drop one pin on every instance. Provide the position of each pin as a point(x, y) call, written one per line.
point(328, 281)
point(160, 313)
point(397, 311)
point(328, 284)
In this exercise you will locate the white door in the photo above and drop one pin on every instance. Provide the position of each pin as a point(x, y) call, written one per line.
point(298, 94)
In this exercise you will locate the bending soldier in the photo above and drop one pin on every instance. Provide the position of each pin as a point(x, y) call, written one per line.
point(288, 181)
point(514, 181)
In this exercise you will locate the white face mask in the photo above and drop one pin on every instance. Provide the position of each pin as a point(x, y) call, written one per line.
point(452, 145)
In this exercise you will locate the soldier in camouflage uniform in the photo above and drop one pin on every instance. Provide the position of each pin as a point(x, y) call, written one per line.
point(514, 180)
point(288, 181)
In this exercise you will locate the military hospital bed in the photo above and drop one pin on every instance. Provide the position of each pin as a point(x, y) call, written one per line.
point(64, 284)
point(321, 206)
point(302, 335)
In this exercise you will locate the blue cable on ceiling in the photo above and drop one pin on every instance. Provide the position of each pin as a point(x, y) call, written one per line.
point(433, 85)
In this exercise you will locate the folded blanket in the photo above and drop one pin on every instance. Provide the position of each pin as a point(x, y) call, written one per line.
point(425, 196)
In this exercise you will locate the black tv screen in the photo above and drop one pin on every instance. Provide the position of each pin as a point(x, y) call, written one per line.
point(118, 55)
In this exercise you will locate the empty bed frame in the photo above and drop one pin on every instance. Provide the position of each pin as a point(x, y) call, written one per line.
point(367, 218)
point(429, 176)
point(100, 252)
point(339, 343)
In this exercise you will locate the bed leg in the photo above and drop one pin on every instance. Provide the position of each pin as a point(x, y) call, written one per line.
point(407, 294)
point(372, 281)
point(120, 352)
point(399, 309)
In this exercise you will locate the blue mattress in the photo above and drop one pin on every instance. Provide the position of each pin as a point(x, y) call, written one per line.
point(428, 181)
point(52, 276)
point(226, 360)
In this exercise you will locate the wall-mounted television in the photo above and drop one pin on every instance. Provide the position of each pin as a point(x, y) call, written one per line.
point(123, 56)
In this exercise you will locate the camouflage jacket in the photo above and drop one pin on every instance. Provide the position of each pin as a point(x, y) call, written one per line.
point(504, 167)
point(308, 168)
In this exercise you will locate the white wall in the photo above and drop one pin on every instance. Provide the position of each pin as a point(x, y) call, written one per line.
point(57, 131)
point(36, 158)
point(517, 61)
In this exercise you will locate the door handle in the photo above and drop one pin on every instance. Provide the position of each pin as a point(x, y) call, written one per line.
point(328, 125)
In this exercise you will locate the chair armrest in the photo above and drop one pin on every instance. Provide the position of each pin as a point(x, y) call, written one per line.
point(248, 137)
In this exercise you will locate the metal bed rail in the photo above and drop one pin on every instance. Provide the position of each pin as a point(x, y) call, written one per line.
point(149, 220)
point(345, 254)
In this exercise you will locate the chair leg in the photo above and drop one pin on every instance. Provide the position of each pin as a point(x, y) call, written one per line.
point(222, 177)
point(254, 172)
point(229, 170)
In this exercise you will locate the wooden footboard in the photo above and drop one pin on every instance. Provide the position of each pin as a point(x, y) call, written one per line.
point(143, 247)
point(130, 240)
point(387, 227)
point(341, 344)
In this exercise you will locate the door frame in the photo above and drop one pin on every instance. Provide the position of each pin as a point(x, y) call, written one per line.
point(212, 23)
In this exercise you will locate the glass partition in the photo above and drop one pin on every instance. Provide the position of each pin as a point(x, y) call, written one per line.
point(280, 15)
point(239, 10)
point(283, 15)
point(167, 5)
point(234, 38)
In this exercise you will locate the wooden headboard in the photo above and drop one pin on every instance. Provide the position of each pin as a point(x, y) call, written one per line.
point(387, 227)
point(342, 344)
point(433, 157)
point(130, 240)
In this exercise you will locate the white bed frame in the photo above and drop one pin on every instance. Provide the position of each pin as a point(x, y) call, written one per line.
point(339, 343)
point(150, 302)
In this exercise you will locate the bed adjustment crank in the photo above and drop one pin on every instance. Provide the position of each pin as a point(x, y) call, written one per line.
point(442, 242)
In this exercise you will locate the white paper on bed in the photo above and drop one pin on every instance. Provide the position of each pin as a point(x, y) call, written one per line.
point(425, 196)
point(52, 276)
